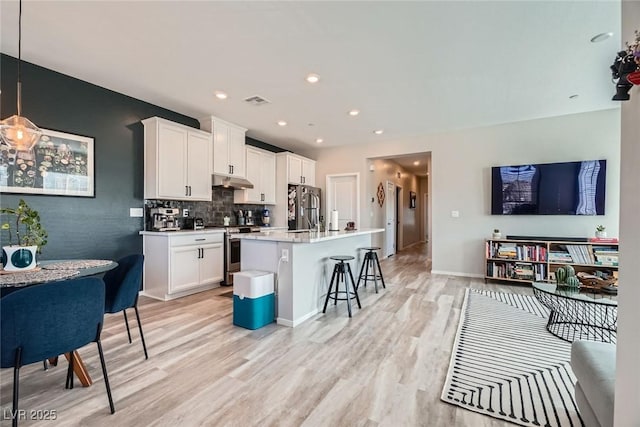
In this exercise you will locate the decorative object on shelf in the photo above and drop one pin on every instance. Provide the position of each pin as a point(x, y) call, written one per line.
point(599, 279)
point(601, 231)
point(566, 276)
point(626, 69)
point(17, 131)
point(412, 200)
point(380, 194)
point(60, 164)
point(30, 238)
point(496, 233)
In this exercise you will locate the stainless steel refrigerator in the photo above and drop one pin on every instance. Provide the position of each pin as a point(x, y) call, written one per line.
point(303, 207)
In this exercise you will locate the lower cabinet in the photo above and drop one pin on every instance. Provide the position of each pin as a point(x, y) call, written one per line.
point(182, 263)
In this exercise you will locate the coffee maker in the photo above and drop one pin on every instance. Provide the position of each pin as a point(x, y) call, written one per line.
point(266, 220)
point(165, 219)
point(249, 218)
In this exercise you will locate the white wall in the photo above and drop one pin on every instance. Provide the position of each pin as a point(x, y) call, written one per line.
point(627, 406)
point(460, 179)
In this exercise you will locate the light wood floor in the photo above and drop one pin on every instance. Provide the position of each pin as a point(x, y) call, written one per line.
point(385, 366)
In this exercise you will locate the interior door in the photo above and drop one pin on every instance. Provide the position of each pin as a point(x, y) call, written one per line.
point(343, 196)
point(390, 220)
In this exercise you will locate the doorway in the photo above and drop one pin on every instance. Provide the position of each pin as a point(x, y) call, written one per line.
point(343, 195)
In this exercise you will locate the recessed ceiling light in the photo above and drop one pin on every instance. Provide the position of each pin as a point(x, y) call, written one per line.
point(319, 140)
point(313, 78)
point(220, 95)
point(378, 131)
point(282, 123)
point(416, 163)
point(574, 96)
point(354, 112)
point(600, 37)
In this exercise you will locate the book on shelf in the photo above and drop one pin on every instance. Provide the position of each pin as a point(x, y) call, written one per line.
point(603, 239)
point(560, 256)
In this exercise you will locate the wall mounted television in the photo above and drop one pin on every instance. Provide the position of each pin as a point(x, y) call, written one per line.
point(570, 188)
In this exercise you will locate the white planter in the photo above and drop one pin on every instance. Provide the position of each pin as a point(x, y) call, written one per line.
point(19, 258)
point(601, 234)
point(497, 235)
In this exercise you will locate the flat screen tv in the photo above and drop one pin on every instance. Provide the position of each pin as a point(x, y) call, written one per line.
point(570, 188)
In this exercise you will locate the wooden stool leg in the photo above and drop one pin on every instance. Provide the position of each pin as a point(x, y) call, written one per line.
point(333, 276)
point(364, 262)
point(80, 369)
point(346, 284)
point(355, 291)
point(379, 269)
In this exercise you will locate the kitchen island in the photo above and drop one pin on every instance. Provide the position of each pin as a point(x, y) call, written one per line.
point(300, 261)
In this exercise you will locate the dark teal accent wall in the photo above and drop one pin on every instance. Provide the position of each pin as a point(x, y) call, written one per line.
point(81, 227)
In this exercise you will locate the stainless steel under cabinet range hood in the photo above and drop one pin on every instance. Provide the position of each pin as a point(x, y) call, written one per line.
point(236, 183)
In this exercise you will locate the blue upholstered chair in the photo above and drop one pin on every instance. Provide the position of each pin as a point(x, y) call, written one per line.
point(122, 285)
point(44, 321)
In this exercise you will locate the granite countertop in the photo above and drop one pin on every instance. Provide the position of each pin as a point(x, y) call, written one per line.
point(305, 236)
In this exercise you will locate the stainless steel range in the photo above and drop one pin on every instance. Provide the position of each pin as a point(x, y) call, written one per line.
point(232, 251)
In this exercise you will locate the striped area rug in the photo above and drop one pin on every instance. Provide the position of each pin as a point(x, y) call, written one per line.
point(505, 363)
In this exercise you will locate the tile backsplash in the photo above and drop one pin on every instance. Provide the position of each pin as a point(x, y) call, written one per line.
point(212, 212)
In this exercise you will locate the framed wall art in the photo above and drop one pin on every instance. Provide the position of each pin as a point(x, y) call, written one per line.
point(412, 199)
point(60, 164)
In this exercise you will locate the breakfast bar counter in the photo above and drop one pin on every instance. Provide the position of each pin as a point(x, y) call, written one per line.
point(300, 261)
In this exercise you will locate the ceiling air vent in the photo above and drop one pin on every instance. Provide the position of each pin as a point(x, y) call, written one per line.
point(257, 100)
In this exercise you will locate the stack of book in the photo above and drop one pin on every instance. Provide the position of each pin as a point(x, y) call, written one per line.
point(507, 251)
point(523, 271)
point(560, 256)
point(606, 255)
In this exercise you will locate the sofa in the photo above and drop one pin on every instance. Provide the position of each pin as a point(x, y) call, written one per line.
point(594, 364)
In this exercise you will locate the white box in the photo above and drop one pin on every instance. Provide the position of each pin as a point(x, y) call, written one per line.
point(252, 283)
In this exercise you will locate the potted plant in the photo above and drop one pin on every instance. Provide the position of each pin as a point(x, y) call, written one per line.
point(601, 231)
point(29, 235)
point(496, 233)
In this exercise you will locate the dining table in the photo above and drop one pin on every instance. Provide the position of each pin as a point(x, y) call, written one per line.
point(51, 271)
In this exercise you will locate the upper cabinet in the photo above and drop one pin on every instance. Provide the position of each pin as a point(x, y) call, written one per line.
point(301, 170)
point(228, 146)
point(176, 161)
point(261, 172)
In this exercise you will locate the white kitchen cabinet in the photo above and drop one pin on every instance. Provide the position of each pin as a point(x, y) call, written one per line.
point(308, 172)
point(176, 161)
point(261, 172)
point(228, 146)
point(301, 170)
point(182, 263)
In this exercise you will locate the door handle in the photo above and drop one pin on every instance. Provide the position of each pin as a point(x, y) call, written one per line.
point(186, 190)
point(189, 190)
point(231, 169)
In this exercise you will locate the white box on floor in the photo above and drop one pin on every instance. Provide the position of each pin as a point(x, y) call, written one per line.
point(252, 283)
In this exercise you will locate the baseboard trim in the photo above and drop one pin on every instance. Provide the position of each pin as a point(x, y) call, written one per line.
point(458, 274)
point(298, 321)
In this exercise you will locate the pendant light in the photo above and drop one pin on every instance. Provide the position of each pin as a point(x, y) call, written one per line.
point(17, 131)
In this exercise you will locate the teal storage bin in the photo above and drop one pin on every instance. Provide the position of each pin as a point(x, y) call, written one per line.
point(253, 313)
point(253, 299)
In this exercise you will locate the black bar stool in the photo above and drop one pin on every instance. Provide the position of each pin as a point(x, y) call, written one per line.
point(371, 262)
point(339, 273)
